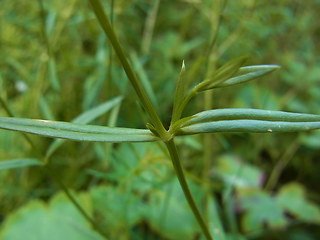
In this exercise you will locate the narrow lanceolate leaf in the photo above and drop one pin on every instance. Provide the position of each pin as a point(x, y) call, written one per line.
point(248, 73)
point(75, 131)
point(253, 126)
point(247, 113)
point(218, 77)
point(19, 163)
point(225, 72)
point(97, 111)
point(85, 118)
point(179, 94)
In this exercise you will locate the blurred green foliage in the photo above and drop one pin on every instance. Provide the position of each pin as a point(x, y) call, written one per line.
point(55, 63)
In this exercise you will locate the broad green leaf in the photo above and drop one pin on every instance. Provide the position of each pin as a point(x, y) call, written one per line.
point(135, 178)
point(75, 131)
point(311, 140)
point(85, 118)
point(222, 74)
point(131, 163)
point(54, 221)
point(260, 208)
point(240, 174)
point(247, 113)
point(168, 212)
point(292, 198)
point(253, 126)
point(116, 207)
point(19, 163)
point(248, 73)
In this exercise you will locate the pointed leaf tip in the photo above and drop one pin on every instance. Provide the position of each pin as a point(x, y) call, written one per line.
point(75, 131)
point(248, 73)
point(179, 94)
point(183, 65)
point(222, 74)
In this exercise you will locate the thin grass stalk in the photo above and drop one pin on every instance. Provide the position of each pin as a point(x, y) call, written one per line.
point(110, 66)
point(105, 24)
point(165, 136)
point(43, 28)
point(149, 28)
point(281, 164)
point(183, 183)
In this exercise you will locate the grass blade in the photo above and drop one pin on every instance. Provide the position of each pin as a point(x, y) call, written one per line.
point(45, 110)
point(85, 118)
point(215, 223)
point(222, 74)
point(179, 95)
point(253, 126)
point(248, 73)
point(19, 163)
point(75, 131)
point(145, 81)
point(247, 113)
point(97, 111)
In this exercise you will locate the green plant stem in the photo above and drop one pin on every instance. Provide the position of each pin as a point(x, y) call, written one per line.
point(281, 164)
point(179, 171)
point(149, 28)
point(207, 155)
point(105, 24)
point(165, 136)
point(43, 28)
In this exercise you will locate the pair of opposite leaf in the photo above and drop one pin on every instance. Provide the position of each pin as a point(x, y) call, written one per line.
point(220, 120)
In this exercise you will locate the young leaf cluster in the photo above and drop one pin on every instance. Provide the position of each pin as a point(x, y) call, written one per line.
point(231, 73)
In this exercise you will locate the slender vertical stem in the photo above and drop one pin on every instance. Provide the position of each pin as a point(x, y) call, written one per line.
point(281, 164)
point(207, 155)
point(106, 26)
point(149, 27)
point(165, 135)
point(179, 171)
point(210, 67)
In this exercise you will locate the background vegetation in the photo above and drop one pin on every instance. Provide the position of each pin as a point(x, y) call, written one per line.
point(55, 63)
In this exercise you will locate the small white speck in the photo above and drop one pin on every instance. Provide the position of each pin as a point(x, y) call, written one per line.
point(269, 130)
point(21, 86)
point(45, 121)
